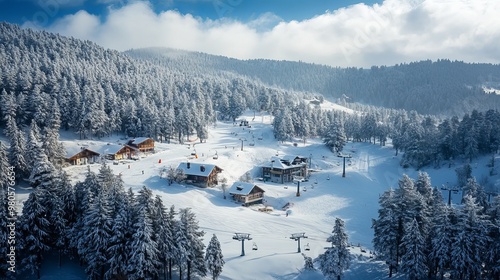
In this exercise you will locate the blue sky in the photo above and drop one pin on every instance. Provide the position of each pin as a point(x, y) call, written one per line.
point(19, 11)
point(338, 33)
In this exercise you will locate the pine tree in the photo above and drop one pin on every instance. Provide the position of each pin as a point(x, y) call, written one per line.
point(414, 259)
point(143, 260)
point(164, 233)
point(441, 239)
point(471, 241)
point(173, 253)
point(33, 146)
point(308, 262)
point(335, 138)
point(283, 125)
point(105, 177)
point(121, 231)
point(43, 173)
point(5, 169)
point(214, 258)
point(493, 257)
point(475, 190)
point(33, 232)
point(51, 145)
point(63, 215)
point(189, 243)
point(17, 148)
point(85, 193)
point(386, 231)
point(336, 259)
point(95, 238)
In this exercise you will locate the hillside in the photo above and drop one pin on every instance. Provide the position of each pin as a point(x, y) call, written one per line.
point(100, 91)
point(428, 87)
point(372, 170)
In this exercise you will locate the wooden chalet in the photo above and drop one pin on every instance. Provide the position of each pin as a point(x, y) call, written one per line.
point(246, 193)
point(282, 170)
point(81, 156)
point(114, 151)
point(143, 144)
point(200, 174)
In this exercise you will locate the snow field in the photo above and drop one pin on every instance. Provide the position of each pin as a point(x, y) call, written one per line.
point(371, 170)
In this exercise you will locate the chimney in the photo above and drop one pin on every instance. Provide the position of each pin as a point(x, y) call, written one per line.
point(188, 165)
point(202, 168)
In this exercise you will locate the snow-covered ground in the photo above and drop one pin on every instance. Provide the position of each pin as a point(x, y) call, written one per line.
point(327, 195)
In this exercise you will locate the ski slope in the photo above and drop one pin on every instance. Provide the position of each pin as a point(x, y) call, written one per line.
point(327, 195)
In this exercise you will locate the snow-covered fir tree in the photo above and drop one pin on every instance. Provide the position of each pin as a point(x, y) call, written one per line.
point(5, 171)
point(96, 231)
point(121, 231)
point(337, 258)
point(214, 258)
point(493, 258)
point(308, 262)
point(144, 255)
point(33, 233)
point(335, 138)
point(386, 231)
point(33, 145)
point(475, 190)
point(441, 239)
point(163, 234)
point(85, 192)
point(413, 262)
point(174, 251)
point(189, 239)
point(471, 242)
point(63, 216)
point(17, 148)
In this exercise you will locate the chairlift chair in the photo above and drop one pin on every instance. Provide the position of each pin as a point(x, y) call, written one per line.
point(254, 247)
point(307, 248)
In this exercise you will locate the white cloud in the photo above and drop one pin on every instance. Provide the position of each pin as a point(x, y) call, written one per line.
point(360, 35)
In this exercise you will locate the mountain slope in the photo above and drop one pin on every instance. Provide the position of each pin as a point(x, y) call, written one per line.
point(440, 87)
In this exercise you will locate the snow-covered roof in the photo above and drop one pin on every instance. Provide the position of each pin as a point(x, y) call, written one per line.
point(73, 150)
point(290, 158)
point(109, 149)
point(139, 140)
point(242, 188)
point(197, 169)
point(278, 163)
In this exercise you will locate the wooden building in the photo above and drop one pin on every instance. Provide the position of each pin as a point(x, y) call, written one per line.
point(200, 174)
point(81, 156)
point(143, 144)
point(246, 193)
point(284, 169)
point(115, 151)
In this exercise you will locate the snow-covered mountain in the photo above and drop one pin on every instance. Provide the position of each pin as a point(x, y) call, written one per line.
point(327, 195)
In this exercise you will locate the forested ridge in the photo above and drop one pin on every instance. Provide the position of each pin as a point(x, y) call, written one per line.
point(440, 87)
point(101, 91)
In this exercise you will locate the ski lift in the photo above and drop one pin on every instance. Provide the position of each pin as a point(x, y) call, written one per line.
point(254, 246)
point(307, 248)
